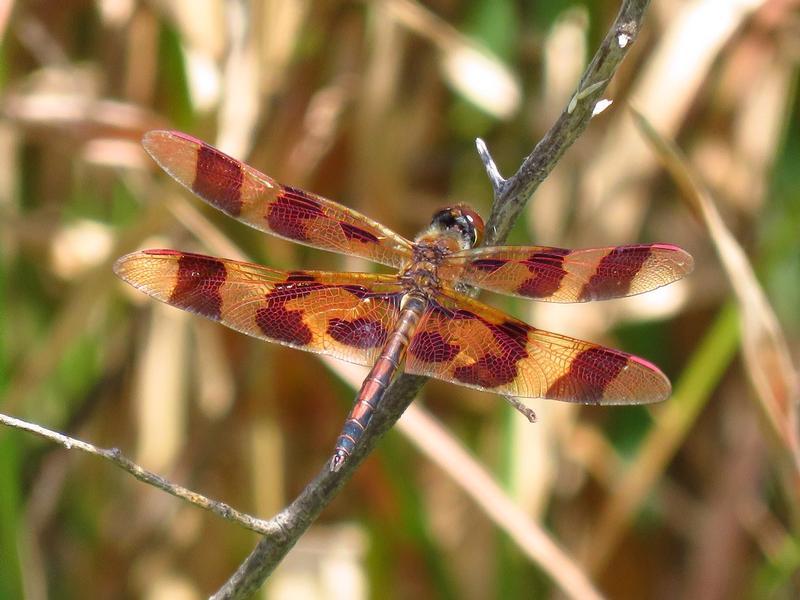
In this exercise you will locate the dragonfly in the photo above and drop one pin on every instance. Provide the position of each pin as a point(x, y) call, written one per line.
point(418, 320)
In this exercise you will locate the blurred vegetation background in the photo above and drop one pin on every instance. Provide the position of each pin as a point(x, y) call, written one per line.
point(377, 105)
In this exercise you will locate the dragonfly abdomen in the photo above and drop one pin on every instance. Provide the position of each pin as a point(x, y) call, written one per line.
point(379, 378)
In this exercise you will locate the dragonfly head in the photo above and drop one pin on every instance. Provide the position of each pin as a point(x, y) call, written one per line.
point(459, 220)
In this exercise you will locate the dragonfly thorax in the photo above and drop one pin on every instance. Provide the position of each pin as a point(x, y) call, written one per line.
point(429, 250)
point(420, 276)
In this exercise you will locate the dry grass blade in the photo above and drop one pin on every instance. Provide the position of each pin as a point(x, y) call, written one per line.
point(435, 442)
point(665, 87)
point(72, 319)
point(450, 456)
point(766, 354)
point(674, 421)
point(240, 106)
point(469, 68)
point(5, 12)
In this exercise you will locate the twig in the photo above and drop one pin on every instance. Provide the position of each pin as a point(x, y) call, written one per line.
point(491, 169)
point(510, 197)
point(518, 188)
point(115, 456)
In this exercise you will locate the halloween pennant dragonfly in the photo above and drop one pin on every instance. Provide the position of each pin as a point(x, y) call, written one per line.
point(415, 320)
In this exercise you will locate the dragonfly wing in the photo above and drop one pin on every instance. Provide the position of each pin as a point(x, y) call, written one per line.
point(345, 315)
point(560, 275)
point(469, 343)
point(255, 199)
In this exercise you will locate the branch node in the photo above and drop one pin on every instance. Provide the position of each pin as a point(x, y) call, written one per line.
point(281, 530)
point(583, 93)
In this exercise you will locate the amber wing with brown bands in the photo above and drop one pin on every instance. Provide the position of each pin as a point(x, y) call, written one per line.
point(255, 199)
point(469, 343)
point(560, 275)
point(345, 315)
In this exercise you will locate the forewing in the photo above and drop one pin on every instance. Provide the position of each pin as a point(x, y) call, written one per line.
point(560, 275)
point(345, 315)
point(469, 343)
point(244, 193)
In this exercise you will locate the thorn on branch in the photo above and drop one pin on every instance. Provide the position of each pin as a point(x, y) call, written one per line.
point(601, 106)
point(491, 168)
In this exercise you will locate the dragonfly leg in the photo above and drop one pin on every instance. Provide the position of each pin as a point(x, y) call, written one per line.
point(527, 411)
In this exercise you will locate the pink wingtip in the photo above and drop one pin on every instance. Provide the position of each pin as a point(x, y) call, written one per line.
point(117, 267)
point(154, 135)
point(151, 139)
point(168, 251)
point(646, 363)
point(686, 263)
point(652, 367)
point(664, 246)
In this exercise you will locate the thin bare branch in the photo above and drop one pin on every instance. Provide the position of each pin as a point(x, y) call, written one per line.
point(293, 520)
point(115, 456)
point(518, 188)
